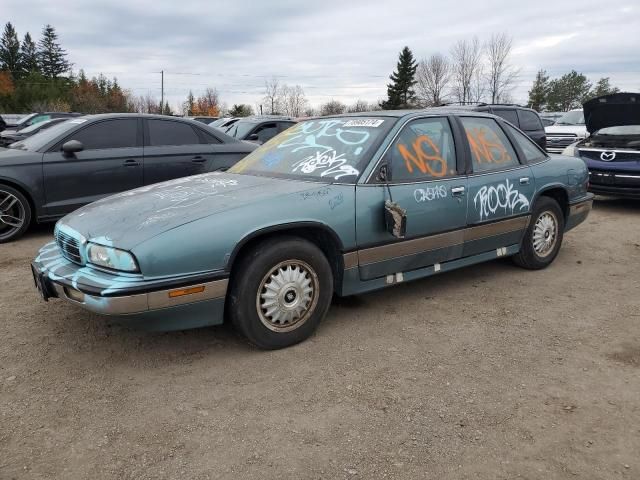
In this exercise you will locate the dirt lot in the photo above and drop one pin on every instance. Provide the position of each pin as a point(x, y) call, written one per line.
point(489, 372)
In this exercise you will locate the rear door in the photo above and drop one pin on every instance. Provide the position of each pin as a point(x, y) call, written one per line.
point(174, 149)
point(501, 188)
point(428, 181)
point(110, 162)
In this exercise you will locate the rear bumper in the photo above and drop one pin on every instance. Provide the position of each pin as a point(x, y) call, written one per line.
point(578, 212)
point(56, 277)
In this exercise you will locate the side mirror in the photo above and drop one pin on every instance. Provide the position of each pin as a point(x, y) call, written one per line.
point(253, 137)
point(384, 174)
point(72, 146)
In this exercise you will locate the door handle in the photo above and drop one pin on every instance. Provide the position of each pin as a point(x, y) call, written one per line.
point(198, 159)
point(524, 181)
point(130, 162)
point(457, 191)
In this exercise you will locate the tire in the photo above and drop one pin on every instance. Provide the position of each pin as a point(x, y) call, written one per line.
point(270, 302)
point(15, 214)
point(543, 237)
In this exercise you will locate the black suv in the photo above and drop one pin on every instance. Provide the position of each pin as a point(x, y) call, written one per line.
point(526, 119)
point(259, 128)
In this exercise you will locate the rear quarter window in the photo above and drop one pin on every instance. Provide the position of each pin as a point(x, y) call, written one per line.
point(529, 120)
point(509, 115)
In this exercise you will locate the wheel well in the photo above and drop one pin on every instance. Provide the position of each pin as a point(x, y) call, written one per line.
point(26, 195)
point(559, 195)
point(324, 239)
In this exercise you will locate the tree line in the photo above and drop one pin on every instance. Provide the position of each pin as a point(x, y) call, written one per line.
point(475, 72)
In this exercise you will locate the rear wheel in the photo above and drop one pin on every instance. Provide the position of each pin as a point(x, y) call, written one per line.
point(543, 238)
point(280, 292)
point(15, 214)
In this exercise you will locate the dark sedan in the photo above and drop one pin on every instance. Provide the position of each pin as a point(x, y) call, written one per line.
point(259, 129)
point(10, 136)
point(84, 159)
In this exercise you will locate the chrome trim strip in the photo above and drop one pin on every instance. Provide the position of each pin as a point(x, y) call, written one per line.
point(350, 260)
point(578, 207)
point(587, 149)
point(442, 240)
point(143, 302)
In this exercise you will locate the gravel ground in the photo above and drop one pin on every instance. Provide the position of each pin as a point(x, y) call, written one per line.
point(488, 372)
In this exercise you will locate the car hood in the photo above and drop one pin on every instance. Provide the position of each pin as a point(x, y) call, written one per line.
point(131, 217)
point(612, 111)
point(575, 129)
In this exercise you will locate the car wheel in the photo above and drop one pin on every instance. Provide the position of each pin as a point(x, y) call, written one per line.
point(15, 214)
point(543, 237)
point(280, 291)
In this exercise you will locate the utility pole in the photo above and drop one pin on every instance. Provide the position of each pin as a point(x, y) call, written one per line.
point(161, 92)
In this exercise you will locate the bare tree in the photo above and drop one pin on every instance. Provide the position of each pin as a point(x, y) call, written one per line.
point(501, 75)
point(332, 107)
point(478, 85)
point(272, 95)
point(466, 59)
point(292, 100)
point(359, 106)
point(433, 77)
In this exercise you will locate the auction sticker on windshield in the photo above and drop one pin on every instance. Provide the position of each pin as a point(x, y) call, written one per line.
point(364, 123)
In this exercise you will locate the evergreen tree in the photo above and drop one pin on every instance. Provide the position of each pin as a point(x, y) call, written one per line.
point(189, 104)
point(10, 50)
point(568, 91)
point(28, 56)
point(400, 92)
point(53, 61)
point(603, 87)
point(539, 91)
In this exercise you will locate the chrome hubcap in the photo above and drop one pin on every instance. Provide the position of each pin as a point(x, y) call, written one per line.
point(545, 233)
point(287, 296)
point(11, 214)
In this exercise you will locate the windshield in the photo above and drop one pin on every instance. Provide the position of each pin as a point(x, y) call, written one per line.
point(23, 121)
point(240, 129)
point(326, 149)
point(218, 122)
point(36, 142)
point(575, 117)
point(620, 130)
point(35, 126)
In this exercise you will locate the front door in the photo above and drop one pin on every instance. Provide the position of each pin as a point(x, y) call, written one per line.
point(425, 180)
point(501, 189)
point(110, 162)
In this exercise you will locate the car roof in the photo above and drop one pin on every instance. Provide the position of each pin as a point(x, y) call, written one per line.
point(266, 118)
point(411, 113)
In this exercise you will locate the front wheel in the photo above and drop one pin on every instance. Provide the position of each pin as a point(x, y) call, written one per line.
point(280, 292)
point(543, 237)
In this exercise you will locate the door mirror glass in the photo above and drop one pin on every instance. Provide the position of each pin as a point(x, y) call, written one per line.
point(253, 137)
point(72, 146)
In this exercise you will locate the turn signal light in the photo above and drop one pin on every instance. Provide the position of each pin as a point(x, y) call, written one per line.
point(186, 291)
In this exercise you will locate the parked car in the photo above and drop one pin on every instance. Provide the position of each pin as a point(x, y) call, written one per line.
point(34, 118)
point(336, 205)
point(84, 159)
point(223, 123)
point(3, 124)
point(550, 118)
point(526, 119)
point(259, 128)
point(11, 136)
point(203, 119)
point(568, 129)
point(612, 150)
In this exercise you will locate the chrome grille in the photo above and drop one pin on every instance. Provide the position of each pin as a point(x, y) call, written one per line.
point(561, 140)
point(69, 246)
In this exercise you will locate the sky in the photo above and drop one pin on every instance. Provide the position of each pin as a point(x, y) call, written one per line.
point(342, 50)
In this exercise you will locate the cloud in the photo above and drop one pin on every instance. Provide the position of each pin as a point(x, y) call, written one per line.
point(334, 49)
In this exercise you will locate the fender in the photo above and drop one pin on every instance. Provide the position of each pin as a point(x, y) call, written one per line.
point(281, 228)
point(36, 203)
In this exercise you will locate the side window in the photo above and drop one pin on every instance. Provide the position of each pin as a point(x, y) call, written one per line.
point(108, 134)
point(208, 137)
point(509, 115)
point(167, 132)
point(266, 132)
point(490, 148)
point(38, 119)
point(424, 150)
point(532, 153)
point(282, 126)
point(529, 121)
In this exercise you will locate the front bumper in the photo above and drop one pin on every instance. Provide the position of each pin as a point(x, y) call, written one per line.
point(122, 295)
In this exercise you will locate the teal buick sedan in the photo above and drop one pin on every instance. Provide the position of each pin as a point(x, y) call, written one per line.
point(335, 205)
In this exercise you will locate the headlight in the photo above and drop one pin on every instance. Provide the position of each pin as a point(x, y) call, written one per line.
point(571, 150)
point(112, 258)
